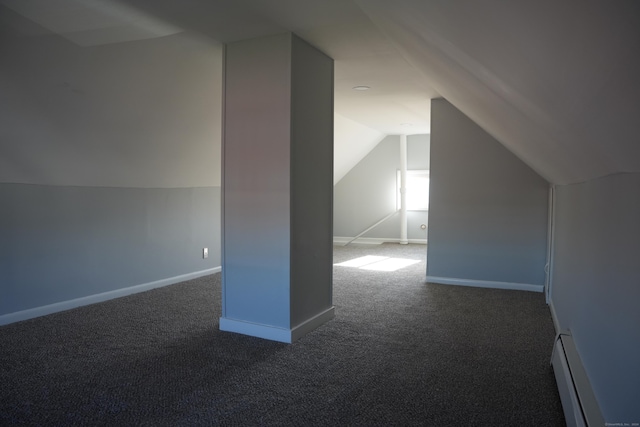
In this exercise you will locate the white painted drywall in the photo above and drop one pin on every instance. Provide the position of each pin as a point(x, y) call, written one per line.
point(554, 82)
point(135, 114)
point(487, 209)
point(596, 290)
point(352, 141)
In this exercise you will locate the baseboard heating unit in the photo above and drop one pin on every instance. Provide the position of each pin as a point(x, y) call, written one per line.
point(578, 401)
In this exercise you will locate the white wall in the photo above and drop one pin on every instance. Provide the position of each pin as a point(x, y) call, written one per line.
point(133, 114)
point(596, 290)
point(109, 164)
point(488, 210)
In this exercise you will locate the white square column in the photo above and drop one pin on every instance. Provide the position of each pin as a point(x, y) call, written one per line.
point(277, 192)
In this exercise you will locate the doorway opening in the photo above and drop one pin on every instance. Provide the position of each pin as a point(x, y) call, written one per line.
point(373, 231)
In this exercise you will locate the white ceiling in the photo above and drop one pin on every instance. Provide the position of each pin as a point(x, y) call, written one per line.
point(555, 82)
point(92, 22)
point(398, 101)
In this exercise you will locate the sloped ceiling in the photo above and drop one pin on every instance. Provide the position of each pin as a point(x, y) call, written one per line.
point(352, 141)
point(92, 22)
point(555, 82)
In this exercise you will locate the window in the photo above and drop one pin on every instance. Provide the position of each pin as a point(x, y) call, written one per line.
point(417, 190)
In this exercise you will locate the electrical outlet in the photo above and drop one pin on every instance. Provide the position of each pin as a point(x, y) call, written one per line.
point(205, 252)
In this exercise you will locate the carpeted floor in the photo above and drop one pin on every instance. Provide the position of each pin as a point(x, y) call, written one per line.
point(399, 352)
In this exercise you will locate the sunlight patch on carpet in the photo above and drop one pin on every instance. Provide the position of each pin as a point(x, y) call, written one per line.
point(378, 263)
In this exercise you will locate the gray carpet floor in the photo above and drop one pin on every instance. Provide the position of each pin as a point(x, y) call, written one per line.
point(399, 352)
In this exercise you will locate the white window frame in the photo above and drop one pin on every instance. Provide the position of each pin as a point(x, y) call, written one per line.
point(413, 205)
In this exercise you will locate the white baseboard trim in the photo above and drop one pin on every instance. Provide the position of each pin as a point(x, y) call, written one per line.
point(31, 313)
point(485, 284)
point(342, 241)
point(275, 333)
point(311, 324)
point(259, 330)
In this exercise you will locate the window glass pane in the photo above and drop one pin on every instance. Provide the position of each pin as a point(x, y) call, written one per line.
point(417, 190)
